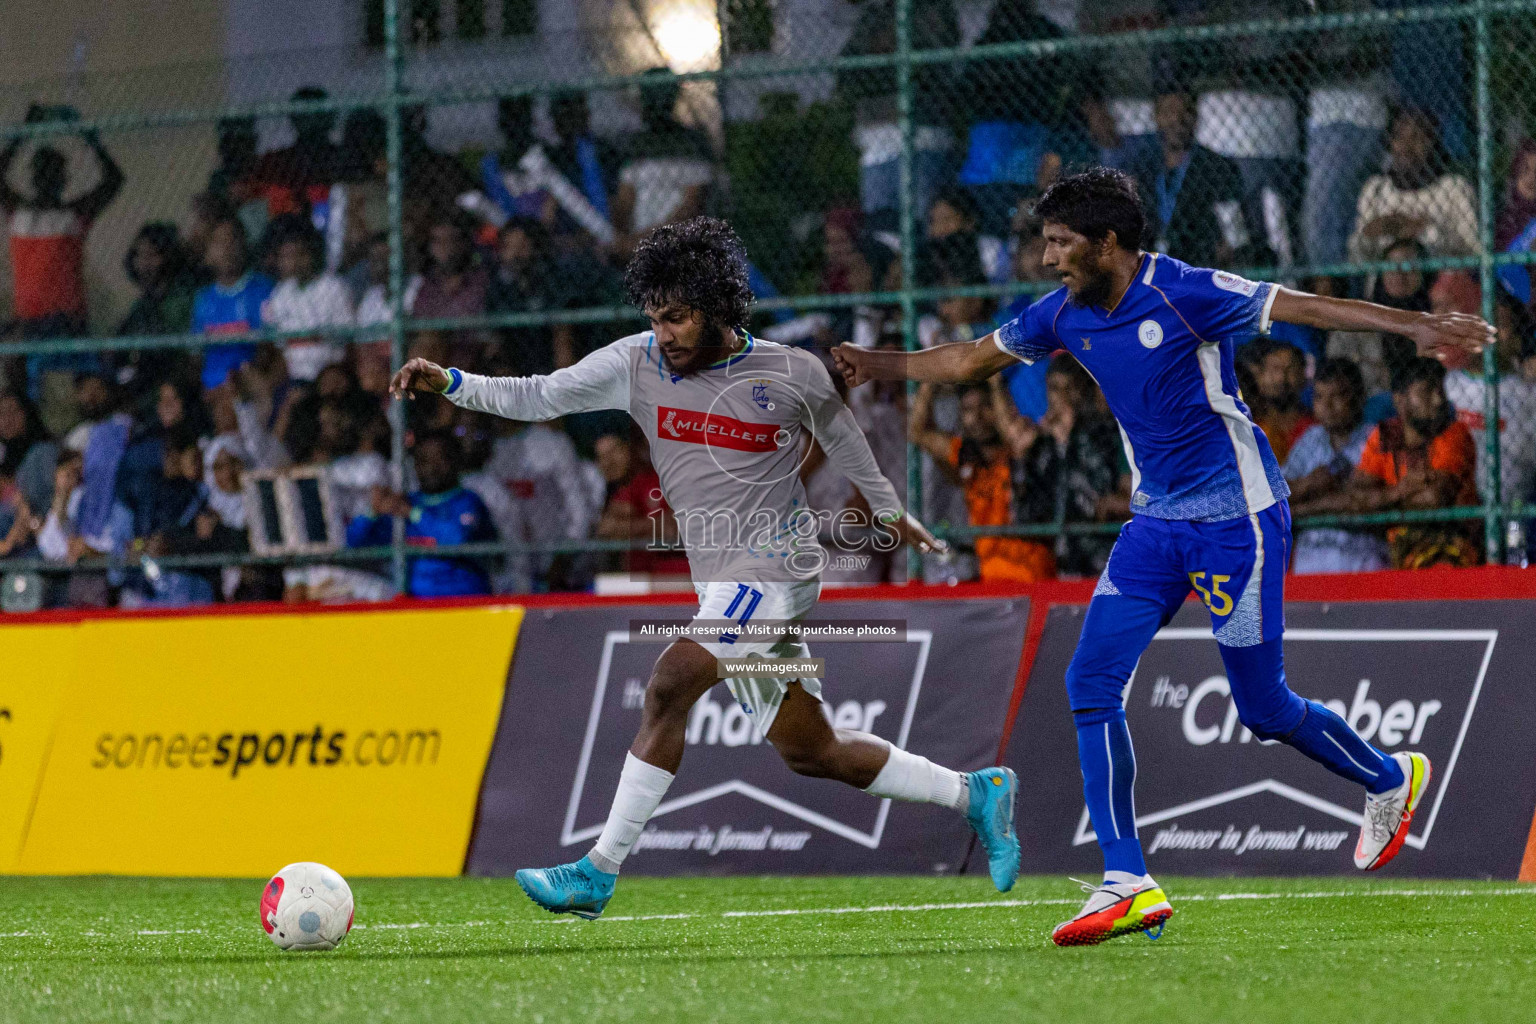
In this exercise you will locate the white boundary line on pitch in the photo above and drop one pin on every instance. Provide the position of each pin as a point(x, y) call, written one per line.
point(989, 904)
point(889, 908)
point(894, 908)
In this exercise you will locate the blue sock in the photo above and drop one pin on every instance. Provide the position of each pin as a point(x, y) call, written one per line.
point(1271, 711)
point(1327, 739)
point(1109, 776)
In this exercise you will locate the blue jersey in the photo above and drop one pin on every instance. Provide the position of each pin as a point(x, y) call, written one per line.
point(1163, 358)
point(232, 311)
point(452, 517)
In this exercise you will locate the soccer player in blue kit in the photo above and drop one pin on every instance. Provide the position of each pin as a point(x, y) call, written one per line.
point(1208, 502)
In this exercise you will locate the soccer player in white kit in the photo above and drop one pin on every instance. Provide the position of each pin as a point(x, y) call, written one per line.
point(726, 415)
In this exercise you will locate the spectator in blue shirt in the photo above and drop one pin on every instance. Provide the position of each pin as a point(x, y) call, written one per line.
point(178, 413)
point(1319, 469)
point(440, 513)
point(231, 304)
point(162, 523)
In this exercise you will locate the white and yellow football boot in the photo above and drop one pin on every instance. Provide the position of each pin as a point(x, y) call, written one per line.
point(1388, 815)
point(1115, 909)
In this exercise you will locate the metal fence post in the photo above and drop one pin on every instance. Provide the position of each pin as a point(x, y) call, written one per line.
point(394, 183)
point(1493, 519)
point(908, 255)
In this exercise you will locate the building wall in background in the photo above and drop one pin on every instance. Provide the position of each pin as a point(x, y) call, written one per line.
point(115, 58)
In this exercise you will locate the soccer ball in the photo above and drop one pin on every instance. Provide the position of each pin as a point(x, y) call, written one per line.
point(306, 906)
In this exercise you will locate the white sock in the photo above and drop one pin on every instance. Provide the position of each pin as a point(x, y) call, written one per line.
point(916, 779)
point(641, 787)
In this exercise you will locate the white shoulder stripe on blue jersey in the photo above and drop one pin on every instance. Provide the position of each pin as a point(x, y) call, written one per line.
point(1250, 463)
point(1130, 459)
point(1151, 268)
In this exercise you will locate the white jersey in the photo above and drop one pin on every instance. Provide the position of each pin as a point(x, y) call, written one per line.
point(1517, 435)
point(541, 470)
point(727, 443)
point(323, 302)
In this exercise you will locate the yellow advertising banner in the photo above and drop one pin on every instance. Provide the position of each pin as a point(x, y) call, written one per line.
point(37, 667)
point(232, 745)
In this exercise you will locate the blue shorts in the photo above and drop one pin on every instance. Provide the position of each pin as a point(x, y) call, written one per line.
point(1236, 566)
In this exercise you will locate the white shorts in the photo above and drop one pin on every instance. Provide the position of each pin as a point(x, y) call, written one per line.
point(786, 602)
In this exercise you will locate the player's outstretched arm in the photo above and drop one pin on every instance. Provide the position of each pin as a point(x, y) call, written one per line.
point(831, 423)
point(1434, 334)
point(599, 381)
point(943, 364)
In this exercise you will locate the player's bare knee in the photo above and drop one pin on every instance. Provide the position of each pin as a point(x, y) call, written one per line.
point(818, 755)
point(670, 695)
point(683, 673)
point(816, 760)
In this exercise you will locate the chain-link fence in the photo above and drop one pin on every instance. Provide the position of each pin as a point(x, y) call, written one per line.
point(203, 303)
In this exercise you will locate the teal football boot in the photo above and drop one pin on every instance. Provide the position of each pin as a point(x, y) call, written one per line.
point(578, 888)
point(991, 814)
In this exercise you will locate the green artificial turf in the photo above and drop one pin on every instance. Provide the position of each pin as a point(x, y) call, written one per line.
point(474, 950)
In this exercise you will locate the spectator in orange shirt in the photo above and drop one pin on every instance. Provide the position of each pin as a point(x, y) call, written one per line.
point(1421, 459)
point(978, 460)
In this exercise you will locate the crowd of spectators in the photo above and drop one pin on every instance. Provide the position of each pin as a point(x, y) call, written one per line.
point(115, 460)
point(1258, 153)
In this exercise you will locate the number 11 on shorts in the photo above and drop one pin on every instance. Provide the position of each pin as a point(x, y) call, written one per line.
point(751, 597)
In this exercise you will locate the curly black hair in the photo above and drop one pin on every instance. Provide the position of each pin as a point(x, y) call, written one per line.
point(698, 263)
point(1096, 202)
